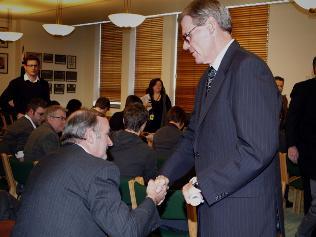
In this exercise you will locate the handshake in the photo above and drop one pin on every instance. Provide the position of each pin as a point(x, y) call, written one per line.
point(157, 190)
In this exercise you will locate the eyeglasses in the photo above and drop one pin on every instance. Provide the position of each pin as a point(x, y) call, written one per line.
point(40, 114)
point(58, 117)
point(32, 65)
point(187, 36)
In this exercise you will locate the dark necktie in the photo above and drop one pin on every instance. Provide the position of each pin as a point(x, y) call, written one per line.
point(210, 77)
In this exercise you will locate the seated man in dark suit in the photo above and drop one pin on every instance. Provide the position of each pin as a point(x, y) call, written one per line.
point(17, 134)
point(130, 153)
point(45, 139)
point(166, 138)
point(75, 191)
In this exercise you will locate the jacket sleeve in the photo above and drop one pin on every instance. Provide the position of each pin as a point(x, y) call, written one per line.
point(294, 114)
point(112, 214)
point(255, 105)
point(150, 171)
point(7, 95)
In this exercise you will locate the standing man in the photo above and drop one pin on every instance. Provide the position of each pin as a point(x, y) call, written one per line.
point(22, 89)
point(75, 192)
point(232, 138)
point(301, 141)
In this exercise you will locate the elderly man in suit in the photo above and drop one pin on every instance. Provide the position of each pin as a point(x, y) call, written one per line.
point(232, 138)
point(17, 134)
point(75, 191)
point(45, 139)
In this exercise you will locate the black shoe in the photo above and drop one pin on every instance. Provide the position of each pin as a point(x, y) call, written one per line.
point(288, 204)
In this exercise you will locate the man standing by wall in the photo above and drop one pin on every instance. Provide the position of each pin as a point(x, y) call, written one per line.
point(232, 138)
point(301, 141)
point(22, 89)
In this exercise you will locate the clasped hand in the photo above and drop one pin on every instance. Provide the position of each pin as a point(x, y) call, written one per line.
point(157, 190)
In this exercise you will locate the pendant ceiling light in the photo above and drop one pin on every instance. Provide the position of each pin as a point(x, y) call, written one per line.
point(58, 29)
point(126, 19)
point(309, 5)
point(10, 35)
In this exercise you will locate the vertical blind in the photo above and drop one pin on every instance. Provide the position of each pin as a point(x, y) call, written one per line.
point(149, 37)
point(250, 29)
point(111, 61)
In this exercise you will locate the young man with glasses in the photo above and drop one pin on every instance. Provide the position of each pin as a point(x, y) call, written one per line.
point(232, 138)
point(45, 139)
point(22, 89)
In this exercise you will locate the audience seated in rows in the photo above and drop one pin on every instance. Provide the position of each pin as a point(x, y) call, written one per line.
point(102, 105)
point(116, 121)
point(45, 139)
point(72, 106)
point(166, 138)
point(17, 134)
point(133, 156)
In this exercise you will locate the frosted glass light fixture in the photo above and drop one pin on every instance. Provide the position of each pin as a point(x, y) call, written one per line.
point(10, 35)
point(126, 19)
point(309, 5)
point(58, 29)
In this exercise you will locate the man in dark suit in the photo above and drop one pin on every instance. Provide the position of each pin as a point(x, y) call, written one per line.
point(45, 139)
point(232, 138)
point(75, 191)
point(22, 89)
point(301, 141)
point(130, 153)
point(17, 134)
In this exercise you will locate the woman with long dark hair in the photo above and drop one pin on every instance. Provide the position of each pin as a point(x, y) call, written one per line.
point(157, 102)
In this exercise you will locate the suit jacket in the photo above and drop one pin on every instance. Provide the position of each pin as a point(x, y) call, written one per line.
point(301, 125)
point(16, 136)
point(232, 140)
point(42, 141)
point(72, 193)
point(133, 156)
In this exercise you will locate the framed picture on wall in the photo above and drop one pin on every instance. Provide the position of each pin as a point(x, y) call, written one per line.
point(59, 88)
point(50, 88)
point(71, 88)
point(48, 58)
point(60, 59)
point(48, 75)
point(38, 55)
point(71, 76)
point(71, 62)
point(3, 44)
point(59, 75)
point(4, 63)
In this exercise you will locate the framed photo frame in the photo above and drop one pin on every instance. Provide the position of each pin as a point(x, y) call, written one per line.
point(59, 88)
point(71, 88)
point(71, 62)
point(4, 63)
point(60, 59)
point(3, 44)
point(48, 75)
point(71, 76)
point(38, 55)
point(59, 75)
point(48, 58)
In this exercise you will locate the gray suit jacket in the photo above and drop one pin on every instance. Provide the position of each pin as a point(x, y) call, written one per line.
point(72, 193)
point(16, 136)
point(42, 141)
point(232, 140)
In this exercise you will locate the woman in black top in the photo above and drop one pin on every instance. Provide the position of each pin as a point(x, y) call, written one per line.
point(157, 102)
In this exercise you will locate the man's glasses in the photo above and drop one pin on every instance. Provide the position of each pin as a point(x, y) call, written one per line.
point(58, 117)
point(32, 65)
point(187, 36)
point(40, 114)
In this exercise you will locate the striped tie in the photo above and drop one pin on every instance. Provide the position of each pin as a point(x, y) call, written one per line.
point(210, 77)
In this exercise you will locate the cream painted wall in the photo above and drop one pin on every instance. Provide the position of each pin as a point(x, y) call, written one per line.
point(81, 43)
point(292, 44)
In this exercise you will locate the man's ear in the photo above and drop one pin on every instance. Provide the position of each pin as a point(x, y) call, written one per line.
point(90, 136)
point(211, 24)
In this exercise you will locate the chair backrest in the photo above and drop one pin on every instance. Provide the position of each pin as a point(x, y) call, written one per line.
point(9, 174)
point(174, 206)
point(137, 194)
point(124, 190)
point(283, 171)
point(21, 170)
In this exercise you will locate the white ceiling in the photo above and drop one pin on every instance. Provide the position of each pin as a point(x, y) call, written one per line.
point(85, 11)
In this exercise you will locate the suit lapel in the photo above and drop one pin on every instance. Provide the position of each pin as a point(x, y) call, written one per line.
point(216, 85)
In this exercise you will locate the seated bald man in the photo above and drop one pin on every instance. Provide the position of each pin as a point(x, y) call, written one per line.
point(75, 191)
